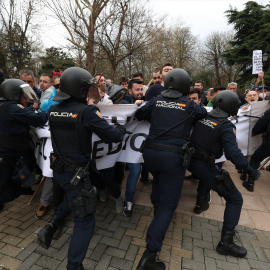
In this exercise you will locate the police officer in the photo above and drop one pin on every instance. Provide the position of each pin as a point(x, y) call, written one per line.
point(210, 137)
point(171, 115)
point(262, 126)
point(15, 119)
point(72, 123)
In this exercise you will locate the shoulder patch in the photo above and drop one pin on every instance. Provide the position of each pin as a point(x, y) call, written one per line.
point(98, 114)
point(234, 131)
point(21, 106)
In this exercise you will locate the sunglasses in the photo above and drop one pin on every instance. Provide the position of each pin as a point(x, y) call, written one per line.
point(56, 86)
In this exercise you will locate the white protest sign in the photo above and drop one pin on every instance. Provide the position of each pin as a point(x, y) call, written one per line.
point(257, 65)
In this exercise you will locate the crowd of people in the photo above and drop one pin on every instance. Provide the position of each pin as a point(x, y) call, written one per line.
point(182, 136)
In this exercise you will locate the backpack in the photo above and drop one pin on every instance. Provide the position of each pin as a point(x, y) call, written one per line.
point(118, 96)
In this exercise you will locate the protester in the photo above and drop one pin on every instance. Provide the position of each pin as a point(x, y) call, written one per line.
point(28, 76)
point(48, 184)
point(261, 127)
point(156, 89)
point(217, 89)
point(133, 96)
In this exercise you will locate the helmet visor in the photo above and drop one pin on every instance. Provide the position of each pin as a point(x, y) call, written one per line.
point(93, 96)
point(29, 93)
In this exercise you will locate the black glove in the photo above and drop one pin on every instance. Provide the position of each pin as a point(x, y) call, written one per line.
point(254, 174)
point(123, 129)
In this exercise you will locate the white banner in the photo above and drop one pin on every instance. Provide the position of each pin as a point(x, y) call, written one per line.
point(128, 150)
point(42, 140)
point(257, 64)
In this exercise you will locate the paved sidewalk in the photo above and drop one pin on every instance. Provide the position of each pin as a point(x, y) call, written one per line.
point(118, 241)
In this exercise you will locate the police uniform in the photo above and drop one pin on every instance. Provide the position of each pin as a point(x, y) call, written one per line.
point(72, 124)
point(15, 120)
point(210, 137)
point(262, 126)
point(163, 155)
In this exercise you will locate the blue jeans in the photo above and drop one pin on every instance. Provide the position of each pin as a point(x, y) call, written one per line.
point(133, 176)
point(234, 200)
point(83, 226)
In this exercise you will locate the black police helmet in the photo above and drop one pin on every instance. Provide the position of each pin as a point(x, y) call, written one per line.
point(75, 83)
point(177, 80)
point(12, 89)
point(225, 103)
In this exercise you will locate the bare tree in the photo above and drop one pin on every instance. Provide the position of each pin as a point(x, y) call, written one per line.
point(128, 32)
point(16, 18)
point(179, 45)
point(81, 19)
point(214, 47)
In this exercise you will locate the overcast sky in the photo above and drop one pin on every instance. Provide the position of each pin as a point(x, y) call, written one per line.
point(202, 16)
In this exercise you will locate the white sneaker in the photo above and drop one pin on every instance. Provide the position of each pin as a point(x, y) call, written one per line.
point(128, 209)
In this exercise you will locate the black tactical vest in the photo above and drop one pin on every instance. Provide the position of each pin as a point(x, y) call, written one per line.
point(68, 135)
point(205, 136)
point(171, 112)
point(12, 132)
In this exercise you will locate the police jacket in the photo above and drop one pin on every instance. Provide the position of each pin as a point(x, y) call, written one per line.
point(263, 126)
point(72, 124)
point(213, 136)
point(163, 113)
point(15, 120)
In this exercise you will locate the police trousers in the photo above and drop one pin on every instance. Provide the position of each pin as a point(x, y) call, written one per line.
point(9, 188)
point(83, 226)
point(168, 173)
point(259, 155)
point(207, 181)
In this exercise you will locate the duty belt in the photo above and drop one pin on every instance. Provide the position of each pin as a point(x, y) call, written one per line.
point(8, 161)
point(204, 157)
point(72, 166)
point(163, 147)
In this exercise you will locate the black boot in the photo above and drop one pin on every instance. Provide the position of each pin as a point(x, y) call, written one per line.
point(148, 262)
point(59, 231)
point(45, 235)
point(249, 185)
point(226, 246)
point(243, 175)
point(191, 177)
point(201, 205)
